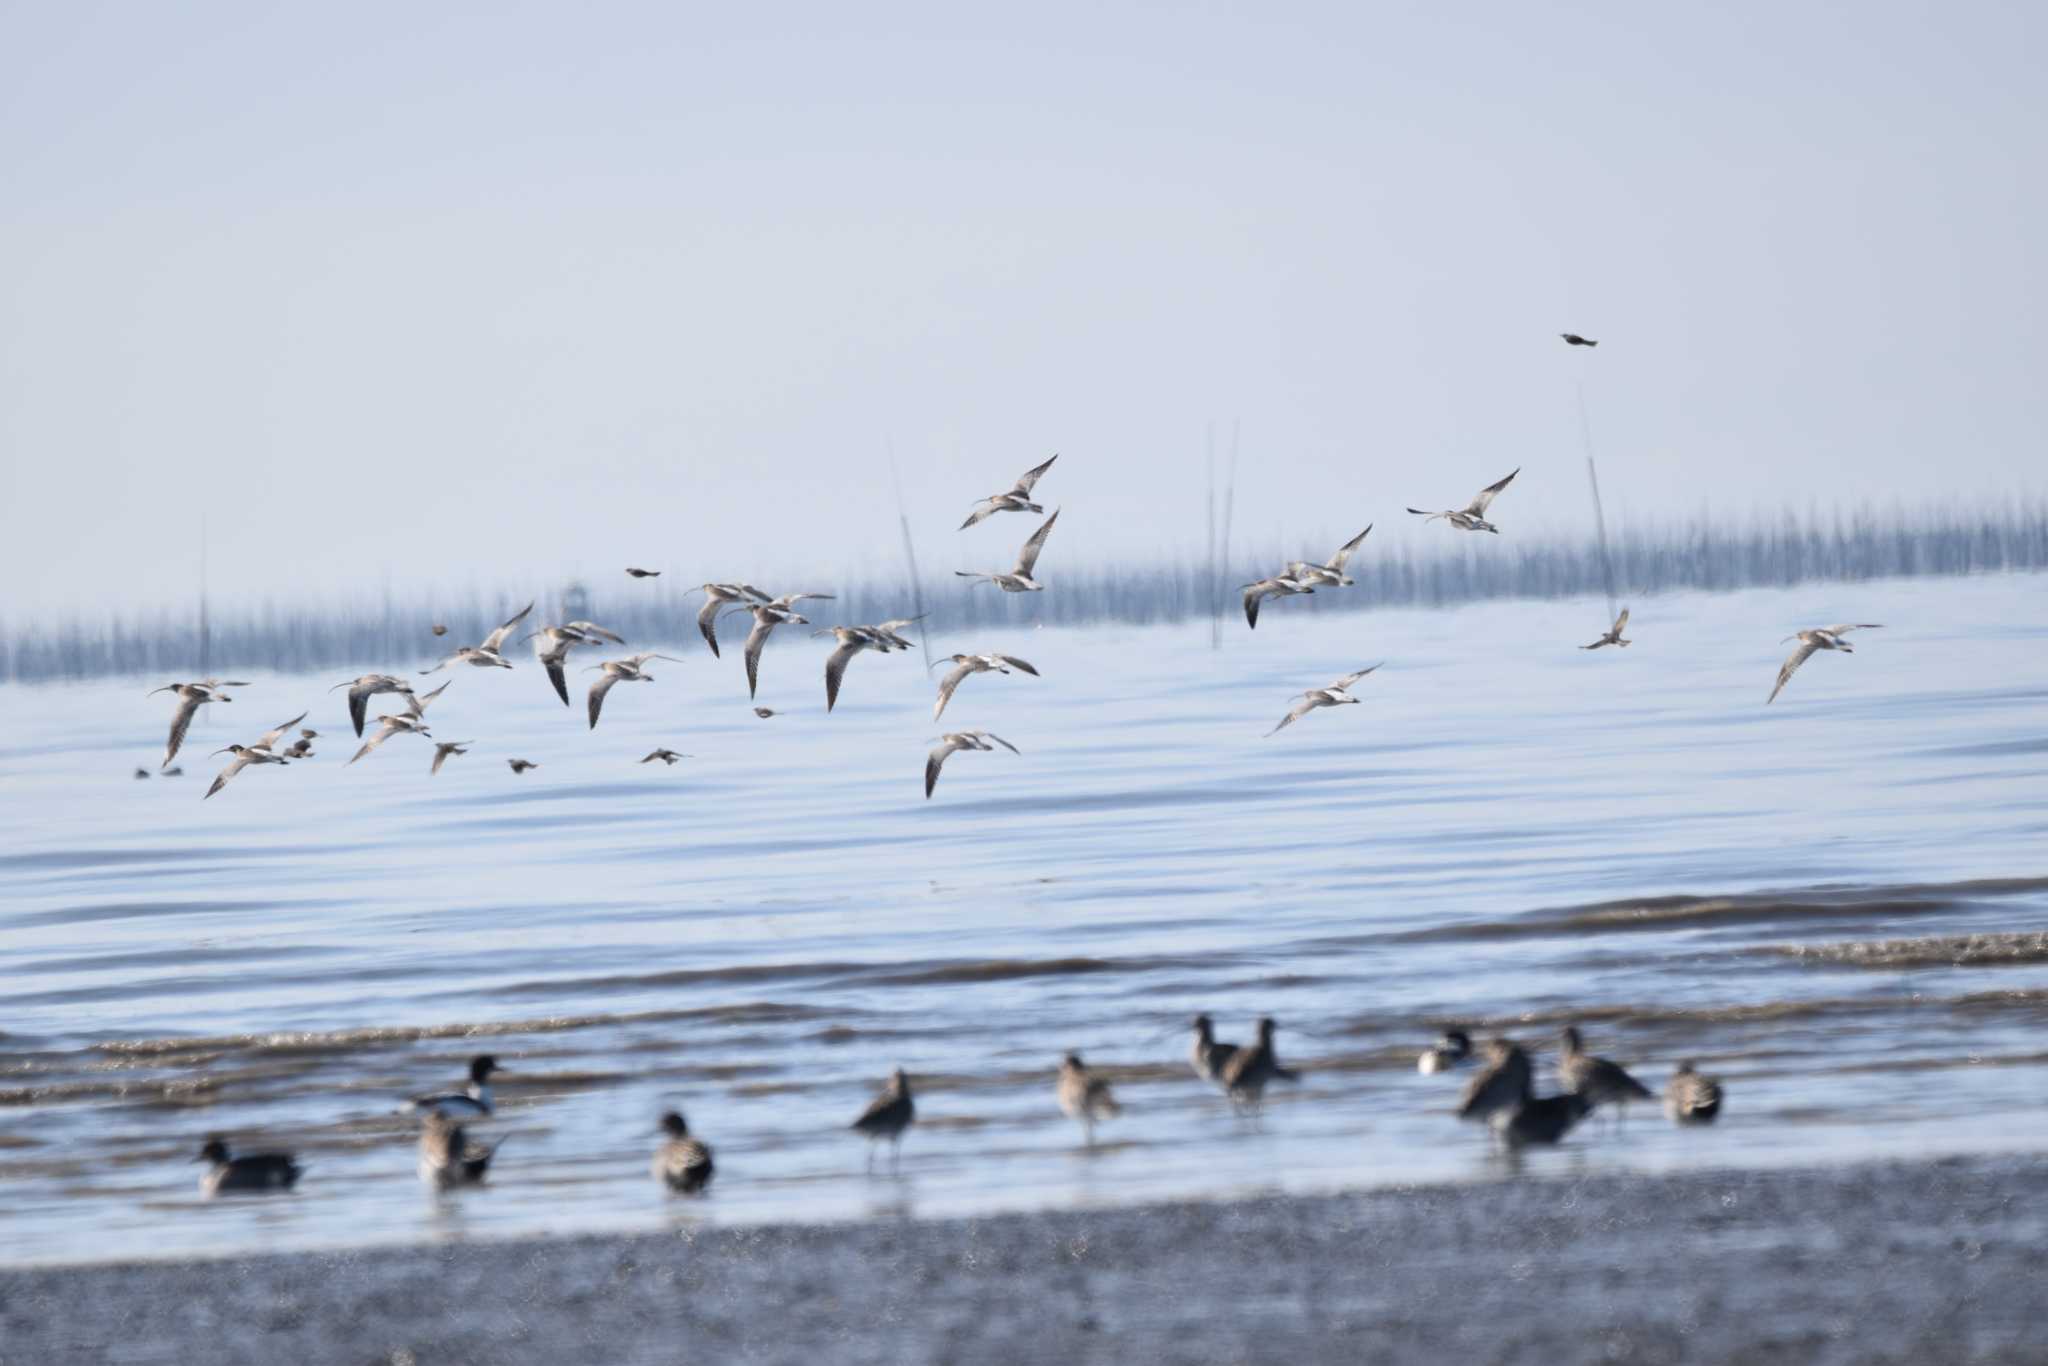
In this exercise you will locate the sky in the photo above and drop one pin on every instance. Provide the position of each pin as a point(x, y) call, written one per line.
point(456, 295)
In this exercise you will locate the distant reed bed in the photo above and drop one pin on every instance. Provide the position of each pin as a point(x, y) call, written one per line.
point(1700, 556)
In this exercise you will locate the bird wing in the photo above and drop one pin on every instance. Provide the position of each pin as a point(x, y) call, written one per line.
point(441, 753)
point(181, 721)
point(835, 669)
point(1504, 1083)
point(1348, 679)
point(1485, 497)
point(1343, 555)
point(1428, 516)
point(933, 762)
point(272, 736)
point(358, 704)
point(991, 735)
point(384, 732)
point(983, 510)
point(591, 628)
point(1847, 627)
point(236, 765)
point(1017, 663)
point(707, 622)
point(756, 638)
point(416, 706)
point(552, 662)
point(1791, 666)
point(1029, 479)
point(497, 637)
point(1027, 558)
point(1254, 593)
point(1299, 710)
point(597, 692)
point(1621, 622)
point(946, 686)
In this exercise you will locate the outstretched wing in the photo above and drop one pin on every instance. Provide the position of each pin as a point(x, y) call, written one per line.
point(497, 637)
point(983, 510)
point(933, 762)
point(707, 622)
point(757, 638)
point(1489, 493)
point(1343, 555)
point(946, 686)
point(236, 765)
point(1254, 593)
point(180, 723)
point(1027, 558)
point(272, 736)
point(1348, 679)
point(1029, 479)
point(416, 706)
point(358, 705)
point(1017, 663)
point(1847, 627)
point(1792, 663)
point(835, 669)
point(597, 692)
point(1299, 710)
point(1621, 622)
point(552, 662)
point(1428, 516)
point(991, 735)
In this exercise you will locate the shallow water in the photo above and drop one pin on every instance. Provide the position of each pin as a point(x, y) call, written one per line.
point(1836, 903)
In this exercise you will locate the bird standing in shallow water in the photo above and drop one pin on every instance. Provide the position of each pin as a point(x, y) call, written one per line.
point(447, 1160)
point(1503, 1085)
point(1690, 1098)
point(1452, 1050)
point(1251, 1068)
point(1084, 1097)
point(681, 1163)
point(1210, 1055)
point(1818, 638)
point(253, 1174)
point(1597, 1079)
point(472, 1102)
point(1540, 1119)
point(887, 1116)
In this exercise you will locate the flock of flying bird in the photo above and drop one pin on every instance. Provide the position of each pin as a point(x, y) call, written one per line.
point(555, 644)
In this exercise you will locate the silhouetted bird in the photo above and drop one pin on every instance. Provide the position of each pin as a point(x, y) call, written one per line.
point(1574, 339)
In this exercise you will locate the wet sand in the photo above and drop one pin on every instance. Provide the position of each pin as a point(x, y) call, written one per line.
point(1944, 1261)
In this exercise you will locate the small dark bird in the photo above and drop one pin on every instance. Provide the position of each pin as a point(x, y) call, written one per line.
point(142, 773)
point(173, 773)
point(667, 756)
point(1502, 1086)
point(440, 629)
point(1252, 1067)
point(1210, 1055)
point(254, 1174)
point(765, 712)
point(1574, 339)
point(1597, 1079)
point(682, 1163)
point(521, 765)
point(887, 1116)
point(644, 573)
point(1691, 1098)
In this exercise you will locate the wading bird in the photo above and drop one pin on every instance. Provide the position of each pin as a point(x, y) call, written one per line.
point(361, 690)
point(1211, 1057)
point(485, 656)
point(681, 1163)
point(1472, 517)
point(1690, 1098)
point(1279, 586)
point(1329, 574)
point(1252, 1067)
point(1084, 1097)
point(716, 596)
point(245, 755)
point(767, 616)
point(629, 670)
point(191, 697)
point(391, 725)
point(887, 1116)
point(446, 1158)
point(1597, 1079)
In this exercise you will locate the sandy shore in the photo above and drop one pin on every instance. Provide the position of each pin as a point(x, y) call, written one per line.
point(1928, 1262)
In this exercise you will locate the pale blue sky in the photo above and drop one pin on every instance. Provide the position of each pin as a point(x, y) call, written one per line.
point(498, 294)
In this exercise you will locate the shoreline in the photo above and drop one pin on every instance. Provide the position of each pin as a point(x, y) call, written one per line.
point(1928, 1261)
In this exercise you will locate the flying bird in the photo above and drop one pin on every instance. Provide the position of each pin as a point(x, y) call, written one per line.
point(558, 641)
point(667, 756)
point(485, 656)
point(851, 641)
point(1818, 638)
point(302, 748)
point(716, 596)
point(245, 755)
point(520, 765)
point(392, 725)
point(439, 629)
point(361, 690)
point(643, 573)
point(959, 740)
point(442, 749)
point(1019, 579)
point(975, 664)
point(765, 712)
point(1574, 339)
point(629, 670)
point(767, 616)
point(1335, 695)
point(1613, 636)
point(191, 697)
point(1330, 573)
point(1472, 517)
point(1279, 586)
point(1015, 499)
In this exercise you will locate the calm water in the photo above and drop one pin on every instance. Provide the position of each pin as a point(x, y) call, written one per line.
point(1837, 903)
